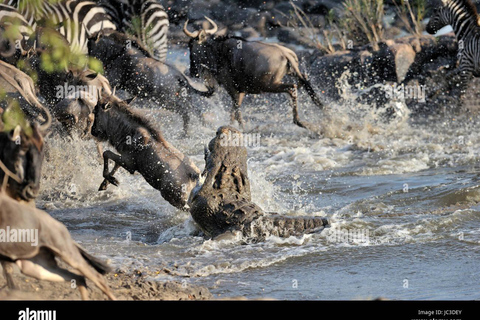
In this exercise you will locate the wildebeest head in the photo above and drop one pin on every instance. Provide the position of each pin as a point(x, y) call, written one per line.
point(81, 92)
point(200, 51)
point(109, 45)
point(162, 165)
point(103, 116)
point(22, 152)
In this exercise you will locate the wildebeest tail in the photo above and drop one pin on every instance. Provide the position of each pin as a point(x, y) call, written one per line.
point(99, 265)
point(311, 92)
point(293, 62)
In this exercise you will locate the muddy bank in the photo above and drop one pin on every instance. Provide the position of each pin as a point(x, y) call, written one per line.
point(132, 285)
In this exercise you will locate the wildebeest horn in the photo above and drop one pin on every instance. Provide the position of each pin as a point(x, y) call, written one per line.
point(8, 174)
point(48, 120)
point(188, 33)
point(15, 133)
point(215, 27)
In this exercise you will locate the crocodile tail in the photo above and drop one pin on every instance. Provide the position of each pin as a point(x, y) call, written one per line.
point(285, 226)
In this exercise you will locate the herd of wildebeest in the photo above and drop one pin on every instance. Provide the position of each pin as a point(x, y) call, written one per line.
point(78, 99)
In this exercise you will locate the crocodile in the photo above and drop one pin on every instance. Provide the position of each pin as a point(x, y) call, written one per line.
point(223, 205)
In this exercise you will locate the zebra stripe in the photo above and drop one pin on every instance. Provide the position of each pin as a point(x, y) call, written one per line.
point(153, 18)
point(463, 17)
point(154, 28)
point(10, 16)
point(78, 19)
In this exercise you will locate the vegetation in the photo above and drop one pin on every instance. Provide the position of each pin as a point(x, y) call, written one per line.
point(364, 21)
point(330, 33)
point(412, 13)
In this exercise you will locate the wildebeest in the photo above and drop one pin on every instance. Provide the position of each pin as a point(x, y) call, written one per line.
point(21, 139)
point(22, 151)
point(242, 67)
point(45, 239)
point(81, 92)
point(70, 92)
point(18, 86)
point(21, 157)
point(142, 148)
point(128, 66)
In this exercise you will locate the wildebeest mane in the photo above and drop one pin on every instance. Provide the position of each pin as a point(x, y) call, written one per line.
point(121, 38)
point(140, 120)
point(228, 37)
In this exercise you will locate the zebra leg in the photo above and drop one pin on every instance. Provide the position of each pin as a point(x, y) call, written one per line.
point(466, 73)
point(465, 77)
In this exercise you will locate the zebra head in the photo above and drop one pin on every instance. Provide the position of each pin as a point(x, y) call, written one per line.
point(441, 16)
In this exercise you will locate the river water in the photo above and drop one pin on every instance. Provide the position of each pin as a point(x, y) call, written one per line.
point(402, 196)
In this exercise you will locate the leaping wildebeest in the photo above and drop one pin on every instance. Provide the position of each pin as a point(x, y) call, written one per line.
point(142, 148)
point(242, 67)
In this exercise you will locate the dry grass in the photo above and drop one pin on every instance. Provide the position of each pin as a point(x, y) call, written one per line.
point(364, 20)
point(412, 13)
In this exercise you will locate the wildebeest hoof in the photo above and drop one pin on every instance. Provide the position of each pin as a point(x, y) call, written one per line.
point(112, 180)
point(108, 179)
point(103, 186)
point(316, 131)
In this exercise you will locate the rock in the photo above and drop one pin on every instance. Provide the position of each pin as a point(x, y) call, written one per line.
point(292, 35)
point(321, 6)
point(404, 56)
point(249, 33)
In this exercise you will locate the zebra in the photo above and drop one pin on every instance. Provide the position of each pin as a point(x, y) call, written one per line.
point(76, 20)
point(463, 17)
point(146, 19)
point(15, 31)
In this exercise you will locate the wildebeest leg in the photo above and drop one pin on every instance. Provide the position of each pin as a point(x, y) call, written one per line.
point(291, 89)
point(44, 267)
point(99, 148)
point(236, 114)
point(119, 162)
point(186, 120)
point(293, 93)
point(8, 274)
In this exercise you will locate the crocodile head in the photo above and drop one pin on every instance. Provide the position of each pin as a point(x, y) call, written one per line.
point(223, 202)
point(226, 163)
